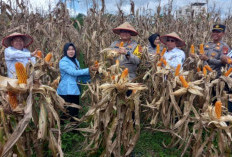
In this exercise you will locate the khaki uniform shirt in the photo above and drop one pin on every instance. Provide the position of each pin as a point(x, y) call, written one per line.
point(214, 52)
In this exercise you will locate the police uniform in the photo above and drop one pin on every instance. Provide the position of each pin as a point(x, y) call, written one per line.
point(214, 51)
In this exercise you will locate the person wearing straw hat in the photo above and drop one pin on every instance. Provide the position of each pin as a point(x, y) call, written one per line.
point(16, 51)
point(126, 46)
point(173, 55)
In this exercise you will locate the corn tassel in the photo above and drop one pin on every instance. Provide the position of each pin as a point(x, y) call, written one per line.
point(12, 100)
point(39, 54)
point(218, 109)
point(208, 68)
point(177, 72)
point(124, 73)
point(163, 52)
point(228, 72)
point(192, 49)
point(21, 73)
point(48, 57)
point(204, 71)
point(183, 81)
point(158, 49)
point(202, 49)
point(121, 44)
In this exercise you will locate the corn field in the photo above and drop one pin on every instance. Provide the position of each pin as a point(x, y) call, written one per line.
point(190, 104)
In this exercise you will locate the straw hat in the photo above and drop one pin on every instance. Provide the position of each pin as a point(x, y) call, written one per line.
point(7, 40)
point(125, 26)
point(179, 41)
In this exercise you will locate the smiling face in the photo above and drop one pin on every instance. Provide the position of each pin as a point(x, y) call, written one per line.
point(157, 41)
point(71, 51)
point(125, 35)
point(171, 43)
point(17, 43)
point(217, 36)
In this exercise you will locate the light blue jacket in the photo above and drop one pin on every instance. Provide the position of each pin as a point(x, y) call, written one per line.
point(70, 74)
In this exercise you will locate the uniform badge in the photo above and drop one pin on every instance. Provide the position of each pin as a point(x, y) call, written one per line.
point(207, 46)
point(225, 50)
point(213, 54)
point(217, 48)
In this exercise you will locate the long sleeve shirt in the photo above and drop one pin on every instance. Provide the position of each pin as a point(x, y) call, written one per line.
point(174, 57)
point(13, 55)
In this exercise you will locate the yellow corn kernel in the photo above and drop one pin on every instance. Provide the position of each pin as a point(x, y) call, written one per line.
point(124, 73)
point(202, 49)
point(204, 71)
point(21, 73)
point(218, 109)
point(228, 72)
point(163, 52)
point(121, 44)
point(158, 49)
point(48, 57)
point(183, 81)
point(208, 68)
point(192, 49)
point(12, 100)
point(177, 72)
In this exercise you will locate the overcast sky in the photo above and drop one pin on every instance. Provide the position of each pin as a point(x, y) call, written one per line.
point(81, 6)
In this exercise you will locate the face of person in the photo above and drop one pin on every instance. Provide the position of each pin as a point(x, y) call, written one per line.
point(71, 51)
point(217, 35)
point(125, 35)
point(17, 43)
point(171, 43)
point(157, 41)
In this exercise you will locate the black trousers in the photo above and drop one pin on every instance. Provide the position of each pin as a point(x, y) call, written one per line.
point(72, 99)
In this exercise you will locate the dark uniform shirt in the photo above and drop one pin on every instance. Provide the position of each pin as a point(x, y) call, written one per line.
point(214, 52)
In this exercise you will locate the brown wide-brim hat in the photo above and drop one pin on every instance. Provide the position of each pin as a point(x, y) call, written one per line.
point(179, 41)
point(125, 26)
point(27, 39)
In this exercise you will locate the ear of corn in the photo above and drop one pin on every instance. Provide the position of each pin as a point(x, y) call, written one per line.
point(113, 77)
point(208, 68)
point(177, 72)
point(192, 49)
point(124, 73)
point(201, 49)
point(163, 51)
point(218, 109)
point(48, 57)
point(183, 81)
point(158, 49)
point(204, 71)
point(228, 72)
point(165, 62)
point(12, 100)
point(229, 60)
point(39, 54)
point(198, 69)
point(121, 44)
point(21, 73)
point(96, 63)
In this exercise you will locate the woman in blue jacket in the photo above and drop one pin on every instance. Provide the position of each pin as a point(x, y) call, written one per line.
point(70, 73)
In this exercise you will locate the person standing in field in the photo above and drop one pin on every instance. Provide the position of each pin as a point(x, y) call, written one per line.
point(126, 47)
point(173, 55)
point(71, 72)
point(216, 50)
point(16, 51)
point(154, 40)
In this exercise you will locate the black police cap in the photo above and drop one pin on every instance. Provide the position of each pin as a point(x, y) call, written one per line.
point(219, 27)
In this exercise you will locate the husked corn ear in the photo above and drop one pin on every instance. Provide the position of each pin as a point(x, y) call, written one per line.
point(21, 73)
point(48, 57)
point(202, 49)
point(121, 44)
point(208, 68)
point(117, 62)
point(159, 64)
point(39, 54)
point(12, 100)
point(96, 63)
point(113, 77)
point(183, 81)
point(165, 62)
point(158, 49)
point(124, 73)
point(163, 52)
point(218, 109)
point(198, 69)
point(229, 60)
point(204, 71)
point(228, 72)
point(192, 49)
point(177, 72)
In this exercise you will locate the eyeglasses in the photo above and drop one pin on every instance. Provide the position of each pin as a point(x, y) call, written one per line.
point(170, 40)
